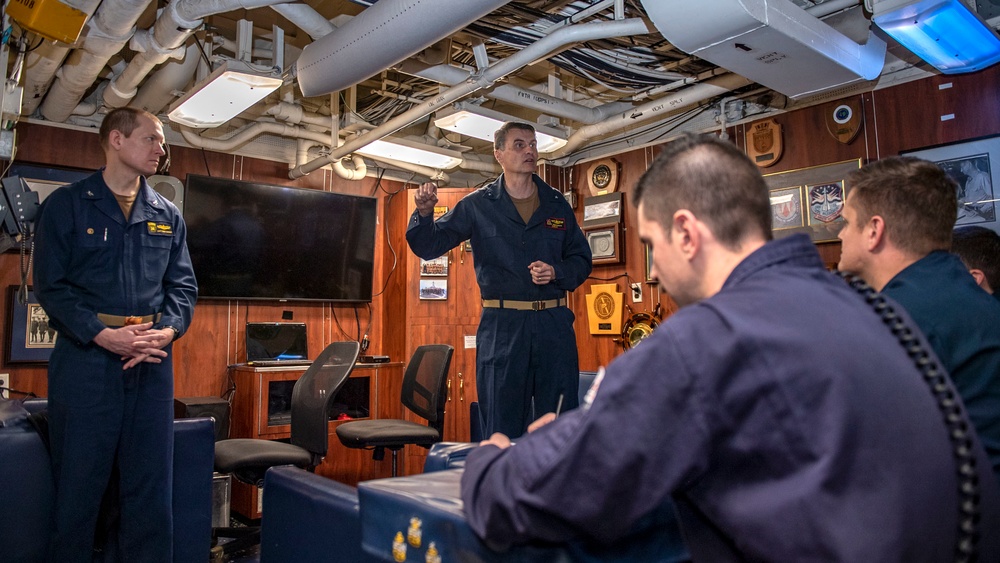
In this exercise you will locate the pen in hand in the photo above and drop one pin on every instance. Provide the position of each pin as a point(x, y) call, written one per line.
point(559, 405)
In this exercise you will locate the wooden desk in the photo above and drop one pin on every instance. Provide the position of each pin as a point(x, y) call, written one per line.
point(251, 418)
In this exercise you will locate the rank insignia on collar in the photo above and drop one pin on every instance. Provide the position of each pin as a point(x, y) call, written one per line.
point(164, 229)
point(556, 223)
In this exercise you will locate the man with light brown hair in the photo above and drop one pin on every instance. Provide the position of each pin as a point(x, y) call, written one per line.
point(899, 216)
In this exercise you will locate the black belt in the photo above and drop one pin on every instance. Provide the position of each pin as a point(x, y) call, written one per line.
point(524, 305)
point(126, 320)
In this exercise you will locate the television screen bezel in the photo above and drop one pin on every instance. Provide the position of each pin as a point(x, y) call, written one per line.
point(374, 210)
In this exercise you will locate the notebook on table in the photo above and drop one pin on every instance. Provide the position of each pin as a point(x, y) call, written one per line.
point(277, 344)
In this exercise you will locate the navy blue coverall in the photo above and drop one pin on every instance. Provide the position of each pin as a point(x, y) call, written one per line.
point(90, 260)
point(519, 354)
point(962, 324)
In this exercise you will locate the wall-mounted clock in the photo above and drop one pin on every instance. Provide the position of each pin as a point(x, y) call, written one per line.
point(602, 176)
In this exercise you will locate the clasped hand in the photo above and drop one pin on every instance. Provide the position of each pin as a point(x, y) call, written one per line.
point(136, 343)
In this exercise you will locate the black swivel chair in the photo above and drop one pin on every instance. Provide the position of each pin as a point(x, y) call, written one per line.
point(423, 393)
point(248, 459)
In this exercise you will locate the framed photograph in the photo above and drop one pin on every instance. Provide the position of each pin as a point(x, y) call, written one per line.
point(602, 210)
point(45, 179)
point(822, 193)
point(605, 244)
point(434, 289)
point(30, 338)
point(786, 208)
point(825, 203)
point(974, 165)
point(435, 267)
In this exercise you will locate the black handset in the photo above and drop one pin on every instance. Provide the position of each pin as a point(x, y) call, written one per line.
point(955, 418)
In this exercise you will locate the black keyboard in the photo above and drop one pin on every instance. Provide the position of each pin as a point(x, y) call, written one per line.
point(273, 363)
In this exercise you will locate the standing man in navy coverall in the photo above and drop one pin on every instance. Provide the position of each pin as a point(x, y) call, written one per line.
point(113, 273)
point(528, 252)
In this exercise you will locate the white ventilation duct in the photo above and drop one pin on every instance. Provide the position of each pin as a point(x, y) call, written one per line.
point(380, 37)
point(160, 89)
point(41, 64)
point(165, 40)
point(483, 79)
point(655, 109)
point(772, 42)
point(104, 36)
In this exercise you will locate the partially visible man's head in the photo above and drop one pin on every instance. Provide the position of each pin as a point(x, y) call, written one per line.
point(500, 136)
point(714, 180)
point(699, 179)
point(916, 199)
point(121, 119)
point(979, 249)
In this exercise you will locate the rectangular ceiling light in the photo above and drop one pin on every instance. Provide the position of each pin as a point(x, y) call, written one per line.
point(413, 152)
point(945, 33)
point(224, 94)
point(475, 121)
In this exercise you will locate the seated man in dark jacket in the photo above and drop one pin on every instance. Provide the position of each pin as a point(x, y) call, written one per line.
point(775, 408)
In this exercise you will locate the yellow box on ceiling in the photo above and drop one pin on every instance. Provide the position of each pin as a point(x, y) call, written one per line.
point(51, 19)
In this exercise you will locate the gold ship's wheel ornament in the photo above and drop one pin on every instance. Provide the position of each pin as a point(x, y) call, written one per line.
point(638, 327)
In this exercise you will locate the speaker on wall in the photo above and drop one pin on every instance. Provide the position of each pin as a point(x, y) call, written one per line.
point(170, 188)
point(205, 407)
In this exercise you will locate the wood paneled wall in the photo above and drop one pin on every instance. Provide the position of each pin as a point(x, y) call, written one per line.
point(215, 339)
point(907, 116)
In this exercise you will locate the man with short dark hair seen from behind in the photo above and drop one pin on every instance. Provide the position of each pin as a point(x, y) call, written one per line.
point(899, 216)
point(775, 408)
point(979, 249)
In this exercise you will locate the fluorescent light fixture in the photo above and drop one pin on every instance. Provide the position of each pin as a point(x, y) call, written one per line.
point(413, 152)
point(944, 33)
point(475, 121)
point(224, 94)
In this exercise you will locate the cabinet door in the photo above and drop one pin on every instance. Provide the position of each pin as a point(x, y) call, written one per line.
point(446, 321)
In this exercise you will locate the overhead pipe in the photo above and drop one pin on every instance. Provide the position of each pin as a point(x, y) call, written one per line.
point(306, 18)
point(425, 171)
point(381, 36)
point(486, 77)
point(41, 64)
point(360, 168)
point(293, 113)
point(550, 105)
point(159, 90)
point(246, 134)
point(654, 109)
point(104, 36)
point(177, 21)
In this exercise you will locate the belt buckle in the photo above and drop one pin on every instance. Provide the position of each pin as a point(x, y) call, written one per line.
point(131, 320)
point(538, 305)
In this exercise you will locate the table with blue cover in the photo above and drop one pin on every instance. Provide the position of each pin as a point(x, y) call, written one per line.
point(403, 517)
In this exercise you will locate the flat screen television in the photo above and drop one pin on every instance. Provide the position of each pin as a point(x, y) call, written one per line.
point(258, 241)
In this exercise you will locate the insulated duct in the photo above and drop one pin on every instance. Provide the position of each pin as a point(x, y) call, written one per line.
point(105, 34)
point(483, 79)
point(380, 37)
point(165, 40)
point(772, 42)
point(655, 109)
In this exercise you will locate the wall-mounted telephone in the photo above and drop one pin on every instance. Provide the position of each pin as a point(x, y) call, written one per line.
point(18, 207)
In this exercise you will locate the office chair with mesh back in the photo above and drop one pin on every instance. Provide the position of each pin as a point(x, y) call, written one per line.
point(248, 459)
point(423, 393)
